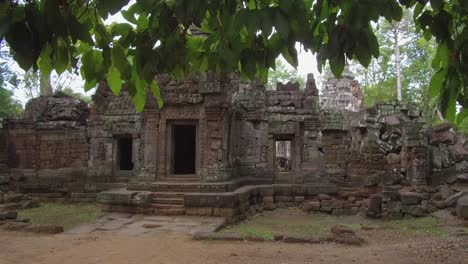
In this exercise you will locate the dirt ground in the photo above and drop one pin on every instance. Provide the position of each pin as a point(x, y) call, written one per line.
point(383, 247)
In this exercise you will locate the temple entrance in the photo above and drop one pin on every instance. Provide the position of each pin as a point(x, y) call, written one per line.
point(124, 153)
point(184, 148)
point(283, 161)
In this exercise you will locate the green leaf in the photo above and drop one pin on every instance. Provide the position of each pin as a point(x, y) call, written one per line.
point(337, 65)
point(437, 4)
point(61, 58)
point(462, 115)
point(90, 85)
point(290, 55)
point(121, 29)
point(156, 93)
point(417, 10)
point(373, 44)
point(451, 111)
point(79, 31)
point(119, 59)
point(129, 16)
point(442, 57)
point(114, 80)
point(282, 25)
point(110, 6)
point(436, 83)
point(142, 21)
point(139, 95)
point(45, 62)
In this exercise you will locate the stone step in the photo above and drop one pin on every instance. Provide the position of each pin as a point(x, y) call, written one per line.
point(159, 200)
point(109, 186)
point(284, 180)
point(167, 206)
point(180, 211)
point(168, 195)
point(181, 179)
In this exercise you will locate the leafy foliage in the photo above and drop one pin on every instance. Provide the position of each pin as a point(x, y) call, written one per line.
point(9, 107)
point(379, 80)
point(77, 95)
point(160, 36)
point(283, 74)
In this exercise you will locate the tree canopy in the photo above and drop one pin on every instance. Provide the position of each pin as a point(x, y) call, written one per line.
point(379, 79)
point(9, 107)
point(283, 73)
point(162, 36)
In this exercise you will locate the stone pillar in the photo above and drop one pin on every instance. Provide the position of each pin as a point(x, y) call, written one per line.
point(150, 139)
point(215, 165)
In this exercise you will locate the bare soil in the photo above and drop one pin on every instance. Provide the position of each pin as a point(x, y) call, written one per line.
point(417, 240)
point(384, 246)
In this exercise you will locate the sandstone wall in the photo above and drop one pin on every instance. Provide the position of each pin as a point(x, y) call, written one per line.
point(48, 149)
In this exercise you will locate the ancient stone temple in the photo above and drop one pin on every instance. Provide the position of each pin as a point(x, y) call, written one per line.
point(226, 147)
point(211, 129)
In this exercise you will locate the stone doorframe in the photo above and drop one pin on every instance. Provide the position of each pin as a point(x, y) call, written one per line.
point(286, 131)
point(170, 145)
point(116, 171)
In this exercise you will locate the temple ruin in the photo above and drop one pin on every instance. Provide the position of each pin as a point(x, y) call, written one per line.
point(226, 147)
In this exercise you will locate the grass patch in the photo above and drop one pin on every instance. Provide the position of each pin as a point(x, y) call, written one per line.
point(253, 232)
point(295, 221)
point(426, 226)
point(66, 215)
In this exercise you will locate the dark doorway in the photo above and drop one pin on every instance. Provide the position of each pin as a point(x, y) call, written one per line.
point(184, 148)
point(124, 152)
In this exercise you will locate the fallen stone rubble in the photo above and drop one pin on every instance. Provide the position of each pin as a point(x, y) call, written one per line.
point(338, 235)
point(10, 202)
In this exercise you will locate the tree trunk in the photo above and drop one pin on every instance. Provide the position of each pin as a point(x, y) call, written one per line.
point(45, 85)
point(397, 62)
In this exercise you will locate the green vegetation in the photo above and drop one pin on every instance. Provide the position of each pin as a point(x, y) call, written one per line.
point(426, 226)
point(402, 69)
point(284, 74)
point(247, 36)
point(274, 222)
point(66, 215)
point(9, 107)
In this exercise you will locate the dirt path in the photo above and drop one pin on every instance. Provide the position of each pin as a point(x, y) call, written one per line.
point(164, 248)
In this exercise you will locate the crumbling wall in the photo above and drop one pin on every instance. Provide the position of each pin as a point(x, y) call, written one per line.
point(48, 148)
point(266, 116)
point(341, 94)
point(112, 117)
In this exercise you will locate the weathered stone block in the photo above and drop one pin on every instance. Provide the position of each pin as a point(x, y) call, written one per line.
point(462, 207)
point(203, 211)
point(410, 198)
point(311, 206)
point(413, 210)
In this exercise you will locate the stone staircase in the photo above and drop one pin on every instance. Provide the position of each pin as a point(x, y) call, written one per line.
point(168, 203)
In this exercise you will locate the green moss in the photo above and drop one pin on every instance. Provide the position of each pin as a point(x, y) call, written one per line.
point(66, 215)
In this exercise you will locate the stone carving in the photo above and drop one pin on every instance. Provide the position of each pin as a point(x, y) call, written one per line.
point(101, 151)
point(305, 152)
point(342, 94)
point(249, 150)
point(264, 154)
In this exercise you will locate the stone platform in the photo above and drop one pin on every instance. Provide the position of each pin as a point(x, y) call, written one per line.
point(130, 224)
point(232, 205)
